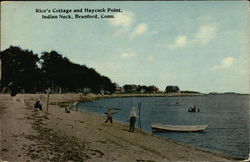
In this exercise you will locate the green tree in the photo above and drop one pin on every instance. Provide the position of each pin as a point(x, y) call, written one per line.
point(71, 77)
point(107, 85)
point(54, 66)
point(19, 69)
point(170, 89)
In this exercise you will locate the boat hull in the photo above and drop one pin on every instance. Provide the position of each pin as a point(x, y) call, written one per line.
point(179, 128)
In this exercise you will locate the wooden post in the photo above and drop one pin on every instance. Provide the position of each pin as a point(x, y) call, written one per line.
point(0, 70)
point(47, 104)
point(139, 121)
point(118, 103)
point(139, 116)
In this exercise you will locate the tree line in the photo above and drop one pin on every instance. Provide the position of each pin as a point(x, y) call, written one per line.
point(131, 88)
point(24, 71)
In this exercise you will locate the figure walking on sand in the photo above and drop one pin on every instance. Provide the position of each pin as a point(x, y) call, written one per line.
point(132, 119)
point(109, 115)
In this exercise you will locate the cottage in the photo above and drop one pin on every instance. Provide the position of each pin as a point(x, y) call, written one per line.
point(118, 89)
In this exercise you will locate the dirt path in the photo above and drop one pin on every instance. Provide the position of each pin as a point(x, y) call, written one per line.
point(14, 128)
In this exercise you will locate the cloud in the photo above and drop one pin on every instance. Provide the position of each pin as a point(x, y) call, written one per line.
point(127, 55)
point(180, 41)
point(225, 63)
point(203, 36)
point(124, 19)
point(139, 29)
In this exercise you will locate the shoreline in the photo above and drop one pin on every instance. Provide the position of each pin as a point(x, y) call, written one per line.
point(214, 152)
point(25, 135)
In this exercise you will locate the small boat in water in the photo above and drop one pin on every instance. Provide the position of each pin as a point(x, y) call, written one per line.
point(175, 104)
point(179, 128)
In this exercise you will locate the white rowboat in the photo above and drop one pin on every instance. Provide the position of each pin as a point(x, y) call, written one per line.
point(179, 128)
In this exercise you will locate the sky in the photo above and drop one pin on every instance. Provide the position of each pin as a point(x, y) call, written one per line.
point(198, 46)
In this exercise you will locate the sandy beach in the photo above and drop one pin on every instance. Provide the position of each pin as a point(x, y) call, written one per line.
point(26, 135)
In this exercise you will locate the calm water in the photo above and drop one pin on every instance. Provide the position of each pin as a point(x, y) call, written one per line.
point(227, 117)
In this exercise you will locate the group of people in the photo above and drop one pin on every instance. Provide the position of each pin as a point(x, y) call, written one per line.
point(131, 119)
point(38, 106)
point(193, 109)
point(109, 113)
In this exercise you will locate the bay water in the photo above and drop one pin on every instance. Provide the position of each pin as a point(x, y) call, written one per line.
point(227, 117)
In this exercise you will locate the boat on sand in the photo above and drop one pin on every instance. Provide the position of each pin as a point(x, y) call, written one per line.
point(178, 128)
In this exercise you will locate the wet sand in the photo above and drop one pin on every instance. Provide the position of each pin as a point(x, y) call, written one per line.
point(26, 135)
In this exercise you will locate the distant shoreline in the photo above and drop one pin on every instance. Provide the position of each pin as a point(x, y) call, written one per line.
point(92, 97)
point(82, 97)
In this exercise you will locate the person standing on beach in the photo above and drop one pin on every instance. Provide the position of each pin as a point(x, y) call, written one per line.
point(132, 119)
point(109, 115)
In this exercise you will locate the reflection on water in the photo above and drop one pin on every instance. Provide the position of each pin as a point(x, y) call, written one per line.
point(227, 117)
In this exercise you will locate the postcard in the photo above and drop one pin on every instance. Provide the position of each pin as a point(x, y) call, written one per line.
point(124, 81)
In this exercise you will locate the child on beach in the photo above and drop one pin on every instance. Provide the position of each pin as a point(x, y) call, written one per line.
point(109, 115)
point(132, 119)
point(75, 104)
point(38, 106)
point(66, 110)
